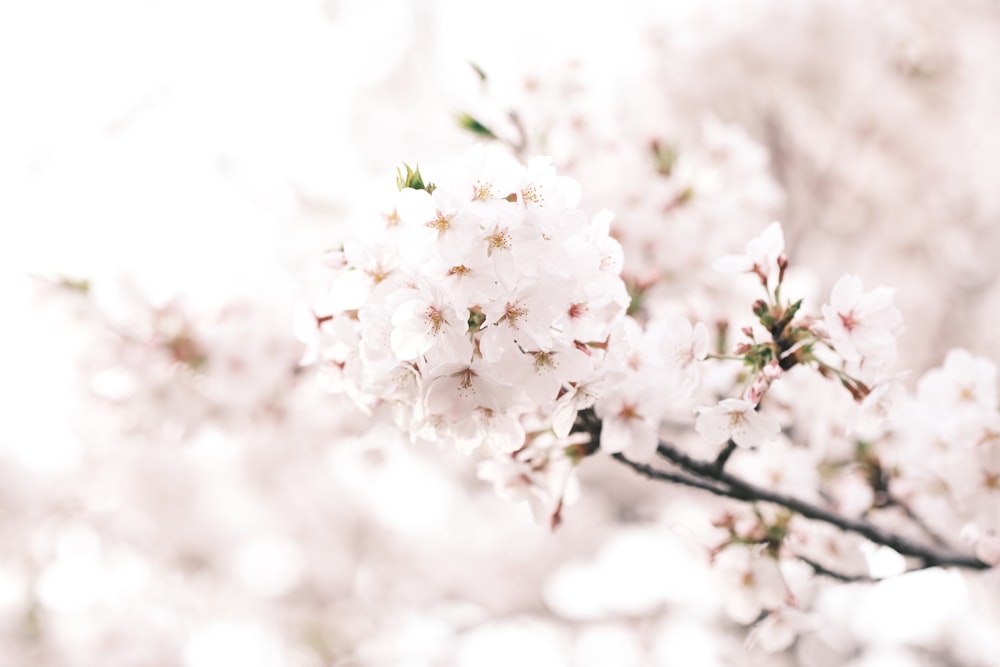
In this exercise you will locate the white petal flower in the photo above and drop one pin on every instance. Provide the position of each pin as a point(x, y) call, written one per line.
point(753, 583)
point(761, 255)
point(423, 321)
point(630, 417)
point(964, 382)
point(863, 325)
point(550, 370)
point(735, 419)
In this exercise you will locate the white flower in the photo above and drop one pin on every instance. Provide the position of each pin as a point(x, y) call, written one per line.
point(753, 583)
point(425, 319)
point(491, 173)
point(985, 542)
point(761, 255)
point(629, 419)
point(962, 384)
point(735, 419)
point(682, 346)
point(458, 390)
point(366, 268)
point(471, 281)
point(579, 397)
point(552, 369)
point(779, 629)
point(434, 226)
point(539, 474)
point(524, 320)
point(863, 325)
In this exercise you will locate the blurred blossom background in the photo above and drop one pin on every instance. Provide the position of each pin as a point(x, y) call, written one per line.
point(174, 490)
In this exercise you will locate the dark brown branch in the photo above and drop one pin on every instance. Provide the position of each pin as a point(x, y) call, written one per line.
point(930, 556)
point(723, 457)
point(674, 478)
point(710, 476)
point(686, 480)
point(719, 490)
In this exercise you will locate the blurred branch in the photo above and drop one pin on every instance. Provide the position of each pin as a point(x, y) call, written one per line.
point(674, 478)
point(917, 520)
point(839, 576)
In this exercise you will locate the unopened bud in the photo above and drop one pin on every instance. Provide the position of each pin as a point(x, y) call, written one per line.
point(782, 265)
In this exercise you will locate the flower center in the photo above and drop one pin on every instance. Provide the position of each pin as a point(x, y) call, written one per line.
point(435, 318)
point(531, 195)
point(512, 314)
point(848, 320)
point(482, 191)
point(441, 223)
point(498, 241)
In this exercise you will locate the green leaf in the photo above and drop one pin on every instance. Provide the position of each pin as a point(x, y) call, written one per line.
point(75, 284)
point(479, 71)
point(469, 123)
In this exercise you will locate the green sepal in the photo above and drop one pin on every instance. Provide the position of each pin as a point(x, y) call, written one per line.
point(412, 179)
point(664, 156)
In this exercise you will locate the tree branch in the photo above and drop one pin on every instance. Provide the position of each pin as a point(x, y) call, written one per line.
point(839, 576)
point(917, 521)
point(666, 476)
point(717, 489)
point(723, 457)
point(739, 489)
point(710, 476)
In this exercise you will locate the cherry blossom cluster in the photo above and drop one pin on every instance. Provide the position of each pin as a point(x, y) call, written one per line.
point(487, 309)
point(479, 299)
point(854, 341)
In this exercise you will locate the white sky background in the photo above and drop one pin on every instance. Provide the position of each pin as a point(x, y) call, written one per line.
point(143, 135)
point(184, 143)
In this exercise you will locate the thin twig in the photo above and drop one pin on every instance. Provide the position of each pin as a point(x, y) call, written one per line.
point(675, 478)
point(918, 521)
point(839, 576)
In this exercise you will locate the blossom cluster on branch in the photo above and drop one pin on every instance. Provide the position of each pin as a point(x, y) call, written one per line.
point(485, 310)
